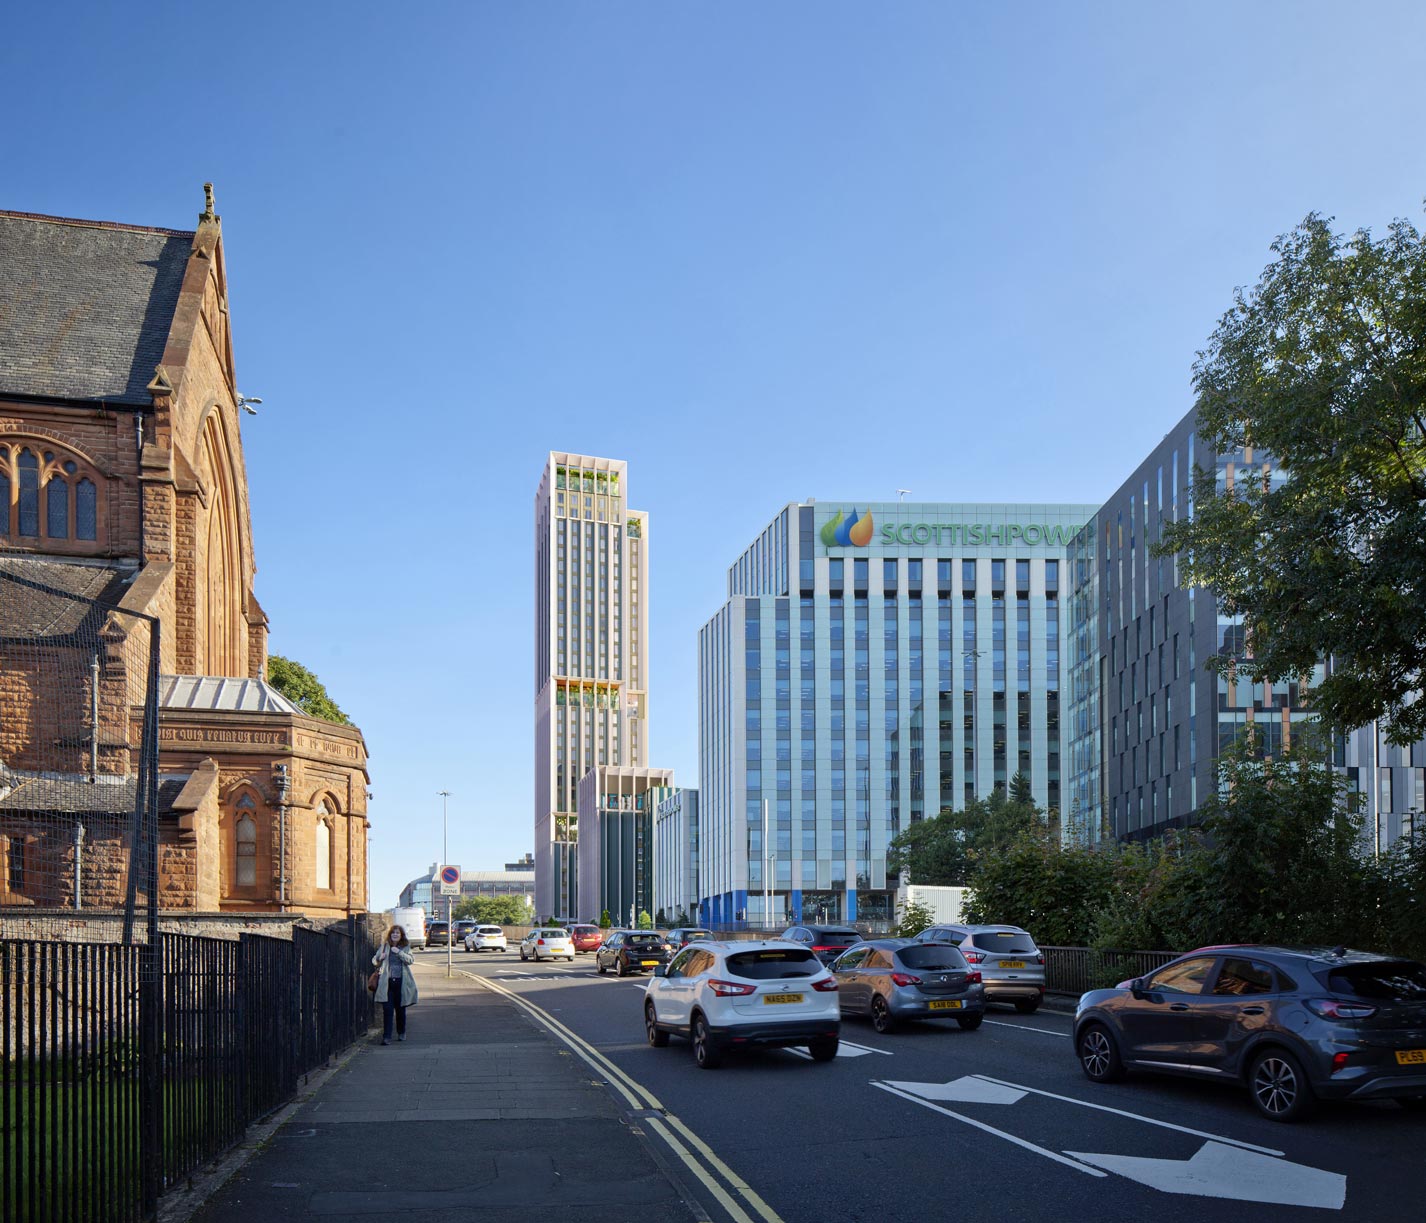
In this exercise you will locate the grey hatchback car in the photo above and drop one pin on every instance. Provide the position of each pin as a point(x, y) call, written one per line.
point(1291, 1024)
point(1012, 967)
point(896, 979)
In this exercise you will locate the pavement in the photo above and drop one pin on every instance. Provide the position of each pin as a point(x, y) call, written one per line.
point(479, 1110)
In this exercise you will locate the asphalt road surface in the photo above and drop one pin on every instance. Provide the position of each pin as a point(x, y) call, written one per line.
point(931, 1122)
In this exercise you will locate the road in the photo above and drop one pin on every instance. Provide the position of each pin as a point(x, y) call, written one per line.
point(932, 1122)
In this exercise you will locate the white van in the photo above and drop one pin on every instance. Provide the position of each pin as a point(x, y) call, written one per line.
point(413, 921)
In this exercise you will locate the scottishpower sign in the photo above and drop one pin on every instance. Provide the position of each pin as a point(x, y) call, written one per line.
point(857, 529)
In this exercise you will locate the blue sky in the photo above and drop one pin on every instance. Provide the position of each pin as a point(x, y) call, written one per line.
point(761, 251)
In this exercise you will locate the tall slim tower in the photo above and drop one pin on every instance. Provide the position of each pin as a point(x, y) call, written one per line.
point(591, 653)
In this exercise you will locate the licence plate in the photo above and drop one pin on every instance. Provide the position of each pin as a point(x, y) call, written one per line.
point(1411, 1057)
point(1012, 963)
point(771, 998)
point(944, 1006)
point(648, 963)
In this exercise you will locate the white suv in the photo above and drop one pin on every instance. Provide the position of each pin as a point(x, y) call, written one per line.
point(728, 996)
point(485, 938)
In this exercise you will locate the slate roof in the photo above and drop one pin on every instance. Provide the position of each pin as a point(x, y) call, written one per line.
point(45, 598)
point(217, 692)
point(72, 795)
point(85, 306)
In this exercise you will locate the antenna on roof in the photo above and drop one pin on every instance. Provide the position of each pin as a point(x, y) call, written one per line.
point(207, 214)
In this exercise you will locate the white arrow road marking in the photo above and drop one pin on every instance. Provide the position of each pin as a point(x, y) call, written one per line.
point(990, 1129)
point(1119, 1112)
point(967, 1090)
point(1220, 1171)
point(845, 1048)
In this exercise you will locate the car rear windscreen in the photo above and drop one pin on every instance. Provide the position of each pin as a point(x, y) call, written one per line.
point(490, 930)
point(554, 934)
point(690, 935)
point(774, 964)
point(1005, 942)
point(1388, 981)
point(932, 957)
point(837, 938)
point(644, 940)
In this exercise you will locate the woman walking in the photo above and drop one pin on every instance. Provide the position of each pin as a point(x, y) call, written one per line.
point(396, 986)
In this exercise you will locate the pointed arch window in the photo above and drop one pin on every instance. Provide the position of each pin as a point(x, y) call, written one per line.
point(46, 494)
point(245, 872)
point(323, 856)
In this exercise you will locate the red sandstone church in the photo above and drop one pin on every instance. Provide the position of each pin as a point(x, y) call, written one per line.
point(123, 494)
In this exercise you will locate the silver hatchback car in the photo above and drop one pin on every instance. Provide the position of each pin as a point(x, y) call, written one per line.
point(1010, 963)
point(896, 979)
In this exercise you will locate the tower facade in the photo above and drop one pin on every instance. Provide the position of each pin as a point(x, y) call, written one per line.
point(591, 654)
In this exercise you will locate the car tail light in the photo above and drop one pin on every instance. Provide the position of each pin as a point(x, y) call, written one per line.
point(539, 942)
point(1039, 959)
point(905, 978)
point(820, 949)
point(827, 985)
point(973, 977)
point(1332, 1008)
point(1339, 1061)
point(731, 989)
point(973, 957)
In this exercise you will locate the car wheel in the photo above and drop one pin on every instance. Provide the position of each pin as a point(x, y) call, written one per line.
point(1279, 1086)
point(823, 1049)
point(619, 969)
point(881, 1018)
point(1098, 1054)
point(969, 1023)
point(599, 966)
point(1027, 1006)
point(657, 1039)
point(705, 1052)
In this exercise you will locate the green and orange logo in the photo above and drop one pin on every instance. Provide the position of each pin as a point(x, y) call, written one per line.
point(843, 533)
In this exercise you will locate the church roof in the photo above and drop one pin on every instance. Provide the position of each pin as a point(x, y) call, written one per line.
point(221, 693)
point(86, 306)
point(75, 795)
point(44, 597)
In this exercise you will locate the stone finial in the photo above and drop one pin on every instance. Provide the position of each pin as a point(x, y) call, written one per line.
point(207, 214)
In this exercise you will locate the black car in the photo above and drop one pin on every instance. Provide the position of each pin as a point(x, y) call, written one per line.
point(627, 951)
point(825, 942)
point(681, 936)
point(438, 934)
point(1293, 1025)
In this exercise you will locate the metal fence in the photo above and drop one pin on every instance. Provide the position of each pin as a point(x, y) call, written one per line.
point(1072, 970)
point(92, 1127)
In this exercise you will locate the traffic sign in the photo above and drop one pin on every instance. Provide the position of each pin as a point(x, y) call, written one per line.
point(450, 881)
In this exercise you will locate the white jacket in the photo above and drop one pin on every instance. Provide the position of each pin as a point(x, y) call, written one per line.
point(408, 978)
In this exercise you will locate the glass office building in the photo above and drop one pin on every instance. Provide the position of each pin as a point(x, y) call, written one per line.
point(873, 664)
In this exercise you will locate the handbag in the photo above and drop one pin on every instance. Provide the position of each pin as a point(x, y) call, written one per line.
point(372, 980)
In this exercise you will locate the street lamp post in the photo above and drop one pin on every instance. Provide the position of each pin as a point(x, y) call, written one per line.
point(444, 796)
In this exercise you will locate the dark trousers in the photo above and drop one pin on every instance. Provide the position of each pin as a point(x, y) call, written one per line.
point(391, 1008)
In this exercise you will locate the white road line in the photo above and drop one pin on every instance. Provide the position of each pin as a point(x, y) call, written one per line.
point(868, 1048)
point(990, 1129)
point(1025, 1027)
point(1119, 1112)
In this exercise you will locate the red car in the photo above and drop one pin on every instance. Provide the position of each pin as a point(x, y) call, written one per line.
point(586, 938)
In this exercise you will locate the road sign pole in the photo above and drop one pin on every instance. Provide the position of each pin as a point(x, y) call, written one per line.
point(450, 933)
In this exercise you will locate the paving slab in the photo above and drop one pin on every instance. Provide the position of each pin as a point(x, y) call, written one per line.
point(479, 1113)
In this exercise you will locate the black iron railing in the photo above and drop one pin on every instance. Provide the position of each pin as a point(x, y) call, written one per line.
point(93, 1126)
point(1073, 970)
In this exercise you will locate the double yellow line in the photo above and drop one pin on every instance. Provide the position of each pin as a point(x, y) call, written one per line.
point(674, 1133)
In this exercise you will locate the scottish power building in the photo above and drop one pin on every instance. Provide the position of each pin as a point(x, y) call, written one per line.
point(873, 664)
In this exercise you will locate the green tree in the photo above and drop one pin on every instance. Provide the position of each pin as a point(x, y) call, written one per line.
point(605, 921)
point(658, 918)
point(943, 851)
point(496, 910)
point(303, 689)
point(1321, 366)
point(645, 921)
point(1053, 891)
point(915, 917)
